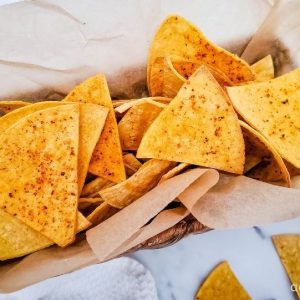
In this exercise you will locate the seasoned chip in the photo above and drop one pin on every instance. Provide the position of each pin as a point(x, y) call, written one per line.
point(263, 69)
point(273, 108)
point(10, 105)
point(177, 36)
point(17, 239)
point(257, 144)
point(14, 116)
point(94, 187)
point(147, 177)
point(198, 127)
point(117, 103)
point(126, 106)
point(136, 121)
point(101, 213)
point(288, 249)
point(107, 157)
point(83, 203)
point(92, 120)
point(222, 284)
point(43, 147)
point(175, 73)
point(173, 172)
point(131, 163)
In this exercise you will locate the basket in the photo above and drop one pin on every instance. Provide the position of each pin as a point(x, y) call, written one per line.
point(188, 225)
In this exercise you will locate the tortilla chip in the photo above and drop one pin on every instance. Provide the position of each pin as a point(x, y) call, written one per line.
point(43, 148)
point(101, 213)
point(177, 36)
point(147, 177)
point(288, 249)
point(11, 118)
point(173, 172)
point(94, 187)
point(222, 284)
point(126, 106)
point(270, 171)
point(92, 120)
point(176, 71)
point(273, 108)
point(17, 239)
point(107, 157)
point(83, 203)
point(136, 121)
point(251, 160)
point(257, 144)
point(131, 163)
point(263, 69)
point(117, 103)
point(198, 127)
point(10, 105)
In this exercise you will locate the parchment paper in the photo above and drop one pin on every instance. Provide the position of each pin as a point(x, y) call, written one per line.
point(46, 47)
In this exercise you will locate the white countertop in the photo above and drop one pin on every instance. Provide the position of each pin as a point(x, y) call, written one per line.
point(179, 269)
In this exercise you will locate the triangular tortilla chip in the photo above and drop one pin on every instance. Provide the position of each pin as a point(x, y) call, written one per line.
point(10, 105)
point(273, 108)
point(38, 171)
point(288, 249)
point(222, 284)
point(146, 178)
point(263, 69)
point(255, 143)
point(136, 121)
point(107, 157)
point(101, 213)
point(198, 127)
point(176, 71)
point(92, 120)
point(177, 36)
point(17, 239)
point(16, 115)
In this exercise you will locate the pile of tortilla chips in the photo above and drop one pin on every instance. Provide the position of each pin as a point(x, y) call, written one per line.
point(67, 165)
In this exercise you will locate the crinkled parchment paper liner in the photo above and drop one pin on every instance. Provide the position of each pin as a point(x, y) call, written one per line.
point(207, 202)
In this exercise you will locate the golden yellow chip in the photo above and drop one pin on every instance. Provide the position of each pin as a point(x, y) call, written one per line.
point(107, 157)
point(147, 177)
point(117, 103)
point(273, 108)
point(198, 127)
point(126, 106)
point(177, 36)
point(92, 120)
point(94, 187)
point(222, 284)
point(263, 69)
point(43, 148)
point(288, 249)
point(17, 239)
point(134, 124)
point(175, 73)
point(84, 203)
point(14, 116)
point(10, 105)
point(257, 144)
point(173, 172)
point(101, 213)
point(131, 163)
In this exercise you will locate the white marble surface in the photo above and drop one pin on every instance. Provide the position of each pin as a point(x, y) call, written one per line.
point(179, 269)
